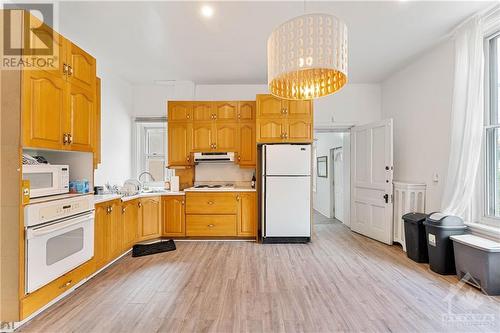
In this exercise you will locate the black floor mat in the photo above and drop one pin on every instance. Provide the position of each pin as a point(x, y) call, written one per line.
point(139, 250)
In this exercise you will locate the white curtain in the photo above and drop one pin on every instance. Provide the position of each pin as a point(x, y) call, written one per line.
point(466, 119)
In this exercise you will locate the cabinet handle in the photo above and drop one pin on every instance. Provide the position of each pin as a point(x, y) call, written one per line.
point(70, 138)
point(188, 116)
point(70, 70)
point(237, 198)
point(239, 158)
point(65, 138)
point(65, 68)
point(286, 110)
point(139, 205)
point(123, 210)
point(282, 135)
point(110, 209)
point(211, 225)
point(188, 158)
point(182, 202)
point(286, 135)
point(210, 202)
point(64, 285)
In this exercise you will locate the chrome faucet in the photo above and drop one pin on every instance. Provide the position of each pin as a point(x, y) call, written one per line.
point(145, 173)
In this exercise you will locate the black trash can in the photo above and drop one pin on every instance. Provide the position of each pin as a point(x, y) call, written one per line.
point(416, 243)
point(439, 227)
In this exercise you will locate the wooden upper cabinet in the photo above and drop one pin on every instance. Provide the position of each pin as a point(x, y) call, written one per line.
point(203, 136)
point(299, 109)
point(44, 103)
point(226, 137)
point(179, 111)
point(81, 67)
point(299, 130)
point(246, 110)
point(203, 111)
point(270, 130)
point(269, 106)
point(247, 149)
point(226, 111)
point(80, 118)
point(174, 218)
point(180, 136)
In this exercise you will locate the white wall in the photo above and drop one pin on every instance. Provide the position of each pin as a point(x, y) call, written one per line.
point(116, 128)
point(151, 100)
point(419, 99)
point(224, 92)
point(322, 200)
point(355, 104)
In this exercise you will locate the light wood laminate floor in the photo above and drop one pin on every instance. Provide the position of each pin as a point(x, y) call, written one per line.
point(340, 282)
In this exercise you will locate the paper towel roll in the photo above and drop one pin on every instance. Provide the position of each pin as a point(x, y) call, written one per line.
point(174, 184)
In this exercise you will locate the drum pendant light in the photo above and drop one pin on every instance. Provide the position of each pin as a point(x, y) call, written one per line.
point(307, 57)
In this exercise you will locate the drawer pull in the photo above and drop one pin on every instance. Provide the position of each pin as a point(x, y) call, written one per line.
point(66, 284)
point(210, 202)
point(211, 225)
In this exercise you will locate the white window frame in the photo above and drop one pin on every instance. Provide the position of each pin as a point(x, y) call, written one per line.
point(140, 125)
point(491, 98)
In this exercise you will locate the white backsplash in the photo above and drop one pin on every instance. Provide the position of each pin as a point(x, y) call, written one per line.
point(222, 172)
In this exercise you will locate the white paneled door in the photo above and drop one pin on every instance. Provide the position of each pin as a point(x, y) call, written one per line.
point(371, 185)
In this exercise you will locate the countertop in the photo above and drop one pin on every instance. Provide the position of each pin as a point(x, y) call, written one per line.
point(221, 189)
point(108, 197)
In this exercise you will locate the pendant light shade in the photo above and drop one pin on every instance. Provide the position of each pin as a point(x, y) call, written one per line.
point(307, 57)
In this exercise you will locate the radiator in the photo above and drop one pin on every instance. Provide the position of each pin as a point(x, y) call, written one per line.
point(408, 198)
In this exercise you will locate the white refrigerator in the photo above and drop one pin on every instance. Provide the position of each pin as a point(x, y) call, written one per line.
point(286, 193)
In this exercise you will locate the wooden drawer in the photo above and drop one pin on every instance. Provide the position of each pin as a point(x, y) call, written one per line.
point(211, 225)
point(47, 293)
point(211, 203)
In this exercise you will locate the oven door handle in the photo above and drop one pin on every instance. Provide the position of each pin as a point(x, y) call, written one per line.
point(43, 230)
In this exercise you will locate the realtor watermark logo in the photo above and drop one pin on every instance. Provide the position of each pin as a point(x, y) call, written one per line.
point(28, 39)
point(474, 300)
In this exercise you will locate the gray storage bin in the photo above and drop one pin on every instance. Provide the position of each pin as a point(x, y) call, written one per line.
point(480, 258)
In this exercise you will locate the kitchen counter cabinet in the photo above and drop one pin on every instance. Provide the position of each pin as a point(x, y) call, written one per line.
point(247, 214)
point(149, 212)
point(108, 233)
point(174, 216)
point(129, 211)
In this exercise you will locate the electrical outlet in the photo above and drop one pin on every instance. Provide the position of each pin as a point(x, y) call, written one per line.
point(435, 178)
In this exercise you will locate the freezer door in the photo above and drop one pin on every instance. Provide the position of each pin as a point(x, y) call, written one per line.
point(288, 160)
point(288, 207)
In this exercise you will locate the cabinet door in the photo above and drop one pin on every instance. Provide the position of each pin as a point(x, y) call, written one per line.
point(226, 137)
point(101, 236)
point(247, 149)
point(116, 231)
point(226, 111)
point(299, 109)
point(80, 118)
point(179, 111)
point(203, 136)
point(269, 106)
point(129, 221)
point(97, 125)
point(270, 130)
point(174, 218)
point(247, 214)
point(45, 101)
point(203, 111)
point(179, 143)
point(149, 208)
point(82, 67)
point(299, 130)
point(246, 111)
point(44, 35)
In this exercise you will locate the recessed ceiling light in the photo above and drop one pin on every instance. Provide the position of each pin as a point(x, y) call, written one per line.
point(207, 11)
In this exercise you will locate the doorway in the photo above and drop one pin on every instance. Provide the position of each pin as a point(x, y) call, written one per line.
point(337, 183)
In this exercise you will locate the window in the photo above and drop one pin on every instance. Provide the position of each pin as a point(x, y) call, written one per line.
point(151, 147)
point(492, 133)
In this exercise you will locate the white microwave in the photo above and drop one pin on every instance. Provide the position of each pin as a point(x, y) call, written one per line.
point(46, 179)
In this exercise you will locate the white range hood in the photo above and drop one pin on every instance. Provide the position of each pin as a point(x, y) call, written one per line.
point(214, 157)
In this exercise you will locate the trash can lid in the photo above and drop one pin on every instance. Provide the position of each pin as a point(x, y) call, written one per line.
point(443, 220)
point(415, 218)
point(480, 243)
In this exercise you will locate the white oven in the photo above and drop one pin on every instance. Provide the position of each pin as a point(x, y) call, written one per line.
point(46, 179)
point(56, 246)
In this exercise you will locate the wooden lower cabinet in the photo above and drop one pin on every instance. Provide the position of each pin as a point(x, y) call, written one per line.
point(108, 233)
point(149, 218)
point(221, 214)
point(247, 214)
point(211, 225)
point(173, 216)
point(129, 211)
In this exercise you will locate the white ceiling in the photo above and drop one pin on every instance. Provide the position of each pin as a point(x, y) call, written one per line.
point(148, 41)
